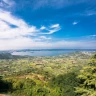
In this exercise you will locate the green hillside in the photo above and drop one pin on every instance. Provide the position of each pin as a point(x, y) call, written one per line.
point(71, 74)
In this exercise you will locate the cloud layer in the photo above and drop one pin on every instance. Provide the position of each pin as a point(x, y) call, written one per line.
point(25, 43)
point(12, 27)
point(58, 4)
point(15, 33)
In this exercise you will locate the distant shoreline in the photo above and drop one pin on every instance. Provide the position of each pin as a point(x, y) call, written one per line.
point(49, 52)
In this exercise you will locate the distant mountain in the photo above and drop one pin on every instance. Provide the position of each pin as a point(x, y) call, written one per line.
point(4, 55)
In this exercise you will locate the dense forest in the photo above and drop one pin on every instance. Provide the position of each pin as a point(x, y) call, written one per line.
point(72, 74)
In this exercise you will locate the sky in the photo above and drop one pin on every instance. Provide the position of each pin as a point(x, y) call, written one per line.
point(47, 24)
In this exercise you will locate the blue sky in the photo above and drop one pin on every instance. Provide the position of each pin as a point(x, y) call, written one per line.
point(48, 24)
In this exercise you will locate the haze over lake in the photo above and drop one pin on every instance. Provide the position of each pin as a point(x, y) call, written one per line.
point(49, 52)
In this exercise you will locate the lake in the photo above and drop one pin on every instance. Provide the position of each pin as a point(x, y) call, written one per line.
point(48, 52)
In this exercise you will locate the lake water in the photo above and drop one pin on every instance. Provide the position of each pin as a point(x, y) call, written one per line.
point(50, 52)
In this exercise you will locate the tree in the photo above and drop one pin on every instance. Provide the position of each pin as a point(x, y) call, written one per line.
point(65, 84)
point(87, 78)
point(5, 85)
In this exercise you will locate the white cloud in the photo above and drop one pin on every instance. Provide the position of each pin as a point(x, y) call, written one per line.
point(24, 42)
point(44, 38)
point(42, 28)
point(53, 31)
point(9, 2)
point(22, 28)
point(58, 3)
point(74, 23)
point(7, 17)
point(55, 26)
point(20, 36)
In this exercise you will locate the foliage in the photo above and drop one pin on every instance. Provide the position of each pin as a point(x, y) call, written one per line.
point(5, 85)
point(66, 83)
point(49, 76)
point(87, 78)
